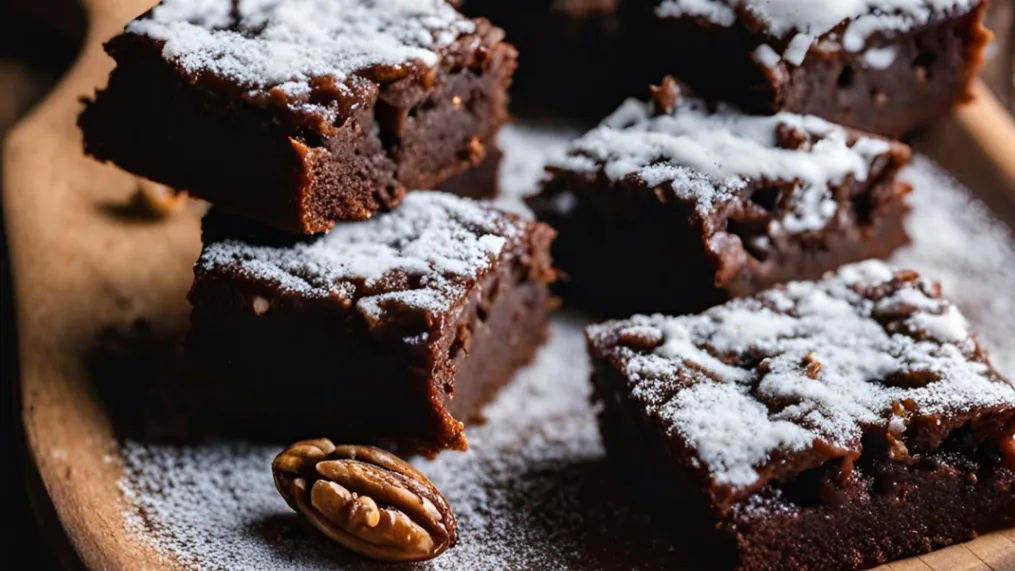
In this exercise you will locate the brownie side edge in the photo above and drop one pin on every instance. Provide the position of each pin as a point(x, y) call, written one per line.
point(869, 224)
point(648, 256)
point(653, 473)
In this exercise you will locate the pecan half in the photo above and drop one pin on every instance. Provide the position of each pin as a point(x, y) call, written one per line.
point(158, 200)
point(366, 499)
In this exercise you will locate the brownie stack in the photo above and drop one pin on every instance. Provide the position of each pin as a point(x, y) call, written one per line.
point(322, 306)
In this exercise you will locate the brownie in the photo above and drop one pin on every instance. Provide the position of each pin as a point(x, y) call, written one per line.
point(675, 206)
point(855, 63)
point(861, 64)
point(301, 113)
point(391, 331)
point(827, 425)
point(571, 56)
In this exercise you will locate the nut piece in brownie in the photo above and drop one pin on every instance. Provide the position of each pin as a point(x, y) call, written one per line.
point(572, 54)
point(677, 206)
point(301, 113)
point(393, 330)
point(825, 425)
point(881, 67)
point(481, 182)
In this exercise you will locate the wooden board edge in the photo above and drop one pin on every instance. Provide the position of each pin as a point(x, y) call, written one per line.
point(78, 542)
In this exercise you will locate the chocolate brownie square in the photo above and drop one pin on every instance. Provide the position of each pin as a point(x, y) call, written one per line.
point(301, 113)
point(392, 331)
point(678, 205)
point(825, 426)
point(881, 67)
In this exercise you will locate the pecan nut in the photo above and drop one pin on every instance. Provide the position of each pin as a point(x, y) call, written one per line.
point(159, 200)
point(366, 499)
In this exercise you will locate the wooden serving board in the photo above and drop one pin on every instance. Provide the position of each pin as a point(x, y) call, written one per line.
point(83, 267)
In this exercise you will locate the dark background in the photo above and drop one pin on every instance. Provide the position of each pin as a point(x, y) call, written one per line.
point(32, 57)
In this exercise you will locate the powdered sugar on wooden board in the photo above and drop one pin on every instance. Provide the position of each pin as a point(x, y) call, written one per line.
point(533, 492)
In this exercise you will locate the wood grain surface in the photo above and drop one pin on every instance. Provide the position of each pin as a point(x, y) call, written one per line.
point(81, 269)
point(77, 271)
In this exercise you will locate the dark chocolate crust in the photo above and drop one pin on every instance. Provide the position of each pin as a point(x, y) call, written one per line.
point(658, 259)
point(311, 365)
point(296, 171)
point(943, 478)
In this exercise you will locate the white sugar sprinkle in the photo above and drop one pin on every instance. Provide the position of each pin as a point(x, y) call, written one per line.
point(722, 412)
point(708, 157)
point(445, 240)
point(263, 44)
point(880, 58)
point(806, 23)
point(714, 11)
point(526, 494)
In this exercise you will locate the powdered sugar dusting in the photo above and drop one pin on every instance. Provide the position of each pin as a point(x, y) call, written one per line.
point(444, 241)
point(287, 44)
point(803, 24)
point(721, 411)
point(709, 157)
point(533, 491)
point(805, 367)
